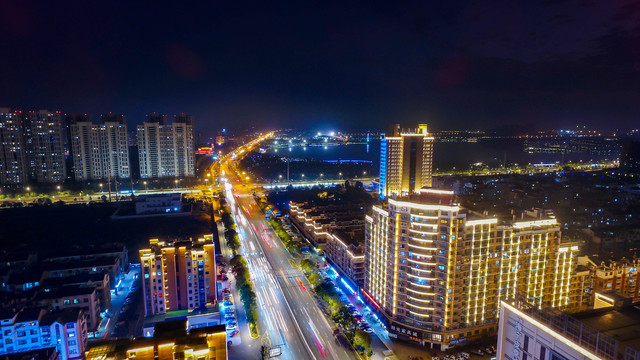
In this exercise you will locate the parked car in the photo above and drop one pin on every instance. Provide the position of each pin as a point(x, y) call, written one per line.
point(478, 352)
point(368, 330)
point(233, 333)
point(228, 303)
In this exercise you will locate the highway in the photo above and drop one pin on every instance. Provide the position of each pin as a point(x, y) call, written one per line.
point(287, 311)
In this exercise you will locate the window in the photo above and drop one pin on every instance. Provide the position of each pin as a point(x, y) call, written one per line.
point(34, 340)
point(22, 342)
point(76, 301)
point(66, 302)
point(70, 325)
point(72, 342)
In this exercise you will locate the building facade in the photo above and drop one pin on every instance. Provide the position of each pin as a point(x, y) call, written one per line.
point(437, 271)
point(166, 150)
point(178, 275)
point(530, 332)
point(35, 328)
point(31, 147)
point(100, 151)
point(12, 152)
point(337, 229)
point(406, 161)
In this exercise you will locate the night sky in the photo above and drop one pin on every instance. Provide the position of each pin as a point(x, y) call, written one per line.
point(452, 64)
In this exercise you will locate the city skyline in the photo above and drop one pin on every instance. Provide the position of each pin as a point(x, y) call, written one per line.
point(320, 180)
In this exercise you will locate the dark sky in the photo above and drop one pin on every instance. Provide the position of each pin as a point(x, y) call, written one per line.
point(452, 64)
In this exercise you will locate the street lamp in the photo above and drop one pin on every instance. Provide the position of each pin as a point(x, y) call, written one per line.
point(176, 183)
point(145, 186)
point(102, 192)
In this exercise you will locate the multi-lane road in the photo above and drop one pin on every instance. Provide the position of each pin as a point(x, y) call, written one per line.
point(287, 310)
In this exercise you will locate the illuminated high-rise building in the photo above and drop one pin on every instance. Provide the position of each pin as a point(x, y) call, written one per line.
point(31, 147)
point(166, 150)
point(100, 151)
point(406, 161)
point(179, 275)
point(12, 153)
point(437, 271)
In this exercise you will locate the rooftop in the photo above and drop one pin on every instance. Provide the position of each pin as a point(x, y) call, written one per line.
point(622, 324)
point(54, 282)
point(65, 291)
point(69, 315)
point(77, 264)
point(29, 314)
point(39, 354)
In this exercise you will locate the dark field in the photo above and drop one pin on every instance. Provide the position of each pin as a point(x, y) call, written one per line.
point(55, 230)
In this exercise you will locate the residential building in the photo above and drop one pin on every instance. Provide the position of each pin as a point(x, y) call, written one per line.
point(49, 353)
point(178, 275)
point(337, 228)
point(438, 271)
point(100, 151)
point(171, 340)
point(106, 250)
point(32, 147)
point(528, 331)
point(71, 297)
point(620, 277)
point(13, 165)
point(91, 265)
point(34, 328)
point(406, 161)
point(166, 150)
point(99, 281)
point(347, 254)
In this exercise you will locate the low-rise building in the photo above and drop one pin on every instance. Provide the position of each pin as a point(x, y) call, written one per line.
point(98, 265)
point(108, 250)
point(346, 251)
point(73, 296)
point(158, 204)
point(171, 340)
point(337, 228)
point(36, 328)
point(99, 281)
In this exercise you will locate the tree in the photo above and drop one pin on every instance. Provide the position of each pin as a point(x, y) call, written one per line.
point(314, 279)
point(307, 265)
point(361, 338)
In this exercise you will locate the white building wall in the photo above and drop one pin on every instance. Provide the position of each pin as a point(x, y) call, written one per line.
point(520, 337)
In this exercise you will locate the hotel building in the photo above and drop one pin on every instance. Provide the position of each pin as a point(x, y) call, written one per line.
point(166, 150)
point(406, 161)
point(437, 271)
point(178, 275)
point(99, 151)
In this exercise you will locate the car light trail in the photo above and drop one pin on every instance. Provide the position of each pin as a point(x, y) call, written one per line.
point(300, 282)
